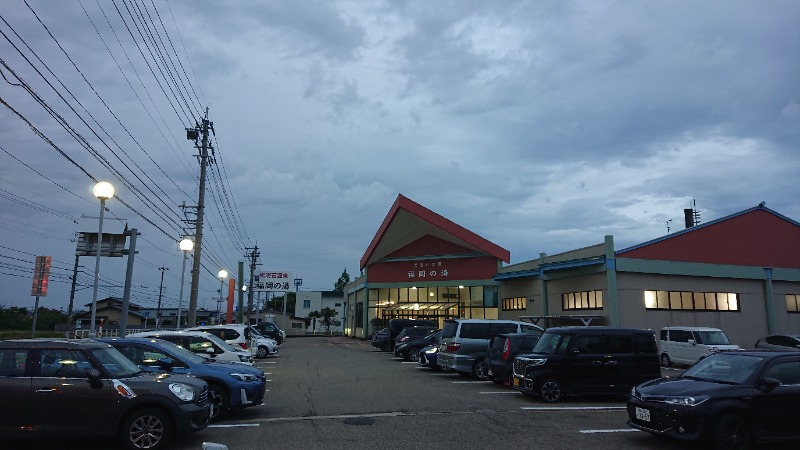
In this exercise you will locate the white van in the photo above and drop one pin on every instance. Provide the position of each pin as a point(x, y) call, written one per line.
point(687, 345)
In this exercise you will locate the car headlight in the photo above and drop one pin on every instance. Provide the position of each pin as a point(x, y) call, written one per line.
point(431, 351)
point(244, 376)
point(713, 349)
point(245, 358)
point(536, 361)
point(182, 391)
point(686, 400)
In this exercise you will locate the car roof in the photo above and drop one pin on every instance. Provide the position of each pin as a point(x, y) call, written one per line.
point(51, 343)
point(170, 333)
point(761, 353)
point(692, 328)
point(597, 328)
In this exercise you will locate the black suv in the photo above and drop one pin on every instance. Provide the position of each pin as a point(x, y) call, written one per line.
point(412, 339)
point(61, 388)
point(502, 350)
point(397, 325)
point(587, 360)
point(269, 329)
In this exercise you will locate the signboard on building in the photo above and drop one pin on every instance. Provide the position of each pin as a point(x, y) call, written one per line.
point(273, 281)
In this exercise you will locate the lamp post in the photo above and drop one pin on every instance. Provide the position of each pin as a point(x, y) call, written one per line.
point(103, 191)
point(222, 275)
point(186, 245)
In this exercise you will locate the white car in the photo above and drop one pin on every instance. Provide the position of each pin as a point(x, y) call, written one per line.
point(242, 336)
point(204, 344)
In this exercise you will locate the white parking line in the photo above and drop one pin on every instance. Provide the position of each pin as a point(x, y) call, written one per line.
point(621, 430)
point(409, 362)
point(472, 382)
point(502, 392)
point(236, 425)
point(571, 408)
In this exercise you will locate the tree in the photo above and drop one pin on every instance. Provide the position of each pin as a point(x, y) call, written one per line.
point(328, 318)
point(343, 280)
point(314, 315)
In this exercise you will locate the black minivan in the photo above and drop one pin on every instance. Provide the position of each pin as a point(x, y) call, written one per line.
point(587, 360)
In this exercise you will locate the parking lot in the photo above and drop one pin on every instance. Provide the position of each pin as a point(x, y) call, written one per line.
point(334, 392)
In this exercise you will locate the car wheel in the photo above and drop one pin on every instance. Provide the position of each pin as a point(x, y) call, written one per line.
point(731, 433)
point(220, 403)
point(147, 428)
point(262, 352)
point(550, 391)
point(412, 354)
point(665, 361)
point(479, 370)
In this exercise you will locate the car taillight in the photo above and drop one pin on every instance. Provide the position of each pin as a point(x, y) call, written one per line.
point(453, 346)
point(244, 345)
point(506, 349)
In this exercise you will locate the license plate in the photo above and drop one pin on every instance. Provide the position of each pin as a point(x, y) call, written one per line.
point(516, 381)
point(643, 414)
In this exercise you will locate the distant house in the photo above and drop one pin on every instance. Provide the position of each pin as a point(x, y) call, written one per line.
point(108, 314)
point(308, 301)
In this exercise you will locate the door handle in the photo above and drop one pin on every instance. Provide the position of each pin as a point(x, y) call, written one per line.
point(45, 391)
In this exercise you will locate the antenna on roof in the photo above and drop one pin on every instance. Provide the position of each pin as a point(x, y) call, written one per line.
point(691, 216)
point(668, 222)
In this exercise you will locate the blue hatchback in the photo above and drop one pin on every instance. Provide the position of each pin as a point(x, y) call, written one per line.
point(232, 386)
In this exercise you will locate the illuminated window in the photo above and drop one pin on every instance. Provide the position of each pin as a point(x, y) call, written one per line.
point(582, 300)
point(692, 301)
point(515, 303)
point(793, 303)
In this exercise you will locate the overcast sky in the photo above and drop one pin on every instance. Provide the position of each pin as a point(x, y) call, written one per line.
point(542, 126)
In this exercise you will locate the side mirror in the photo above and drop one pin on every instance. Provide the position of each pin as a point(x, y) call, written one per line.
point(768, 384)
point(691, 342)
point(166, 364)
point(93, 375)
point(210, 350)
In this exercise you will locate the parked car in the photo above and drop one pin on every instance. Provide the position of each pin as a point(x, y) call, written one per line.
point(66, 388)
point(203, 344)
point(780, 342)
point(687, 345)
point(503, 348)
point(411, 332)
point(231, 386)
point(270, 330)
point(428, 357)
point(242, 336)
point(463, 344)
point(380, 339)
point(408, 346)
point(396, 326)
point(587, 361)
point(727, 399)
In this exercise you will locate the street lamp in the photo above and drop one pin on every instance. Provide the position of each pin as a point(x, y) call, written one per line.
point(186, 245)
point(104, 191)
point(222, 275)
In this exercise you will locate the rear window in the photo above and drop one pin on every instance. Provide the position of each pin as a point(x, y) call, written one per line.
point(644, 343)
point(500, 328)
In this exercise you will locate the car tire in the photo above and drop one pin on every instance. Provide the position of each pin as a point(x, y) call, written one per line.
point(479, 370)
point(665, 361)
point(412, 354)
point(147, 428)
point(550, 391)
point(731, 433)
point(220, 401)
point(262, 352)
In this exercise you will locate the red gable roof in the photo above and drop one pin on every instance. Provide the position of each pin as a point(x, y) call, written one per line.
point(425, 222)
point(754, 237)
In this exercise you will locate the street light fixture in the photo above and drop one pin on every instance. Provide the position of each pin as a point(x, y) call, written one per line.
point(222, 275)
point(103, 191)
point(186, 245)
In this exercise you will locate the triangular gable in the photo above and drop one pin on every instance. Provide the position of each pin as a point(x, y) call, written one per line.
point(404, 204)
point(754, 237)
point(429, 246)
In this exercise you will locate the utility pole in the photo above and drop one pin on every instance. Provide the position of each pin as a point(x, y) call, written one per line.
point(200, 131)
point(160, 290)
point(253, 255)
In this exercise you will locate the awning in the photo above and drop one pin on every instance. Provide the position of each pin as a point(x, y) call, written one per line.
point(406, 307)
point(584, 318)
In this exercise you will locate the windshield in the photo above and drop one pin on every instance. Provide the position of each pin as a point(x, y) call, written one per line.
point(181, 353)
point(217, 340)
point(712, 338)
point(115, 363)
point(726, 367)
point(552, 343)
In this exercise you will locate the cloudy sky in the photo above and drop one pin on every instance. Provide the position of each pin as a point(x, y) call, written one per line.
point(539, 125)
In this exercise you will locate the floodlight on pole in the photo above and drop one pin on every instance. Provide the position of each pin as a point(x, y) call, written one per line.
point(186, 245)
point(103, 191)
